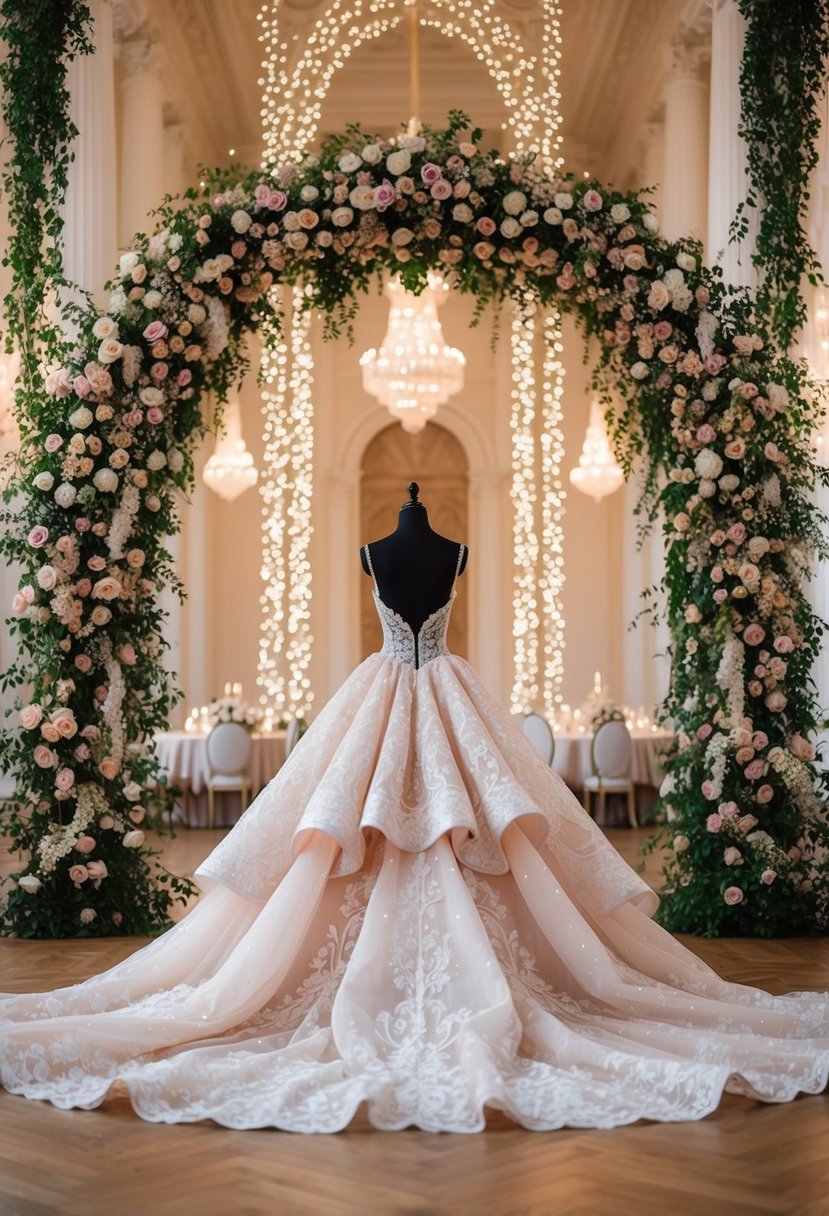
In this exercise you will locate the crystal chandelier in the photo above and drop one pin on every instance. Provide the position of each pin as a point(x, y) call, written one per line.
point(230, 471)
point(597, 474)
point(415, 371)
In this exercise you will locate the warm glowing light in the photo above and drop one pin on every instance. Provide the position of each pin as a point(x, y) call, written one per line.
point(230, 470)
point(415, 371)
point(598, 473)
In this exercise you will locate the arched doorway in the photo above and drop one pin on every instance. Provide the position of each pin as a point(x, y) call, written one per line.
point(436, 460)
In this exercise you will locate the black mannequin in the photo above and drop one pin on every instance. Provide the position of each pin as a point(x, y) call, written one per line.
point(414, 566)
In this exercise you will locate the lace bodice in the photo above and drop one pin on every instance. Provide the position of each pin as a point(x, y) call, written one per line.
point(399, 639)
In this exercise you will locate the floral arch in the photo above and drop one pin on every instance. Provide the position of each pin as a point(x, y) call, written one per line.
point(703, 395)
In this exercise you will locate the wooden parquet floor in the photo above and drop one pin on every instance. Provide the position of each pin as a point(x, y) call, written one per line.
point(747, 1159)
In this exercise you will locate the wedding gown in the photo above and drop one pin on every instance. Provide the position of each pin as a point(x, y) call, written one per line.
point(415, 914)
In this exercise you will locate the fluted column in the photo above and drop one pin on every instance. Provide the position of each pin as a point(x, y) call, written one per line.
point(89, 213)
point(141, 135)
point(727, 172)
point(685, 184)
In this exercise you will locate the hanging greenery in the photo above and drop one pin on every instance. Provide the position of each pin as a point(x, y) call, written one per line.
point(782, 80)
point(110, 442)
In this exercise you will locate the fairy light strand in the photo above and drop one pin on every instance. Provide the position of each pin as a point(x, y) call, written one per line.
point(525, 687)
point(551, 579)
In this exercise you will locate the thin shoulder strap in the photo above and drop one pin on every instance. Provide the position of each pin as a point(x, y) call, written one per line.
point(461, 552)
point(371, 568)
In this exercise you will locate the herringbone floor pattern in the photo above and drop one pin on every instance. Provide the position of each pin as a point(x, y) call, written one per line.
point(747, 1159)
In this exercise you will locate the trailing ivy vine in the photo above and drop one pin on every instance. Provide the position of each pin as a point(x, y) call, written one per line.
point(782, 79)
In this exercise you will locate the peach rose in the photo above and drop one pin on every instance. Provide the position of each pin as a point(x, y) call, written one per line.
point(64, 720)
point(108, 768)
point(50, 732)
point(78, 874)
point(30, 716)
point(97, 869)
point(44, 757)
point(85, 844)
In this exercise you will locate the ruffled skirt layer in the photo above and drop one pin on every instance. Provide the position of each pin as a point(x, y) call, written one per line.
point(415, 915)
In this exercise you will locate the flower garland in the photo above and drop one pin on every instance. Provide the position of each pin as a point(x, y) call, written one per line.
point(110, 442)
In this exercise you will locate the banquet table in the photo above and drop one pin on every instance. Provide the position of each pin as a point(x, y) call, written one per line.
point(572, 756)
point(183, 755)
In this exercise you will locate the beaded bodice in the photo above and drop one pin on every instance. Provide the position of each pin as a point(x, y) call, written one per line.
point(399, 639)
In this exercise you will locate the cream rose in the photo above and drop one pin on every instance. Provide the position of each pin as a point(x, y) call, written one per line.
point(110, 350)
point(398, 162)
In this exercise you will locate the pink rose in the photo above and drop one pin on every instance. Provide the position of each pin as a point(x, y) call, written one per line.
point(708, 790)
point(592, 201)
point(44, 757)
point(485, 225)
point(159, 371)
point(184, 377)
point(442, 189)
point(801, 748)
point(108, 768)
point(277, 200)
point(49, 732)
point(768, 877)
point(662, 331)
point(81, 386)
point(262, 193)
point(38, 536)
point(96, 869)
point(430, 173)
point(727, 810)
point(704, 731)
point(747, 822)
point(83, 586)
point(765, 794)
point(126, 653)
point(713, 823)
point(483, 250)
point(85, 844)
point(83, 663)
point(714, 364)
point(737, 533)
point(753, 634)
point(78, 874)
point(52, 442)
point(155, 331)
point(706, 434)
point(384, 195)
point(733, 895)
point(97, 563)
point(755, 770)
point(30, 716)
point(64, 721)
point(783, 644)
point(776, 701)
point(744, 754)
point(760, 739)
point(19, 604)
point(155, 415)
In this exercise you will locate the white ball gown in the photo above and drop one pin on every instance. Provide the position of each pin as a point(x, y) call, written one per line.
point(417, 915)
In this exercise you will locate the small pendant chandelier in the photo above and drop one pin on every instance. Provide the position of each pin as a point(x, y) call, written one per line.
point(230, 470)
point(598, 473)
point(415, 371)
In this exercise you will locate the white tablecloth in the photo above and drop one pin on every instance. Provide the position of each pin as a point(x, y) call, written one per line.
point(572, 756)
point(184, 757)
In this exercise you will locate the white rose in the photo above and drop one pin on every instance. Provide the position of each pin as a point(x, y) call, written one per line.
point(349, 162)
point(296, 240)
point(619, 212)
point(778, 396)
point(415, 143)
point(733, 857)
point(47, 577)
point(196, 314)
point(151, 395)
point(708, 464)
point(515, 202)
point(156, 460)
point(105, 327)
point(152, 502)
point(650, 222)
point(710, 390)
point(106, 480)
point(462, 213)
point(341, 217)
point(639, 371)
point(682, 298)
point(673, 278)
point(398, 162)
point(553, 215)
point(132, 791)
point(65, 494)
point(686, 261)
point(706, 488)
point(402, 236)
point(529, 218)
point(240, 221)
point(175, 460)
point(127, 263)
point(207, 272)
point(729, 483)
point(563, 201)
point(681, 843)
point(44, 481)
point(133, 839)
point(81, 418)
point(371, 154)
point(510, 227)
point(309, 193)
point(362, 197)
point(152, 299)
point(30, 883)
point(110, 350)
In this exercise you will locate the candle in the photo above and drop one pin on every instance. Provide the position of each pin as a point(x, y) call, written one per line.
point(227, 688)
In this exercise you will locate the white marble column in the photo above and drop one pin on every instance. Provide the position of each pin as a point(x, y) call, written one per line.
point(653, 161)
point(727, 176)
point(141, 143)
point(89, 214)
point(685, 183)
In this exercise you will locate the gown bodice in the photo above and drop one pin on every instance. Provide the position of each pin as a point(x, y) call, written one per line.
point(399, 639)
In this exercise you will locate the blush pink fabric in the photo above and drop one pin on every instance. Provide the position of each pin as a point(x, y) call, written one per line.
point(415, 915)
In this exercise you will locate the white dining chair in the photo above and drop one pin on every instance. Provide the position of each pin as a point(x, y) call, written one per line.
point(611, 755)
point(537, 729)
point(228, 757)
point(292, 735)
